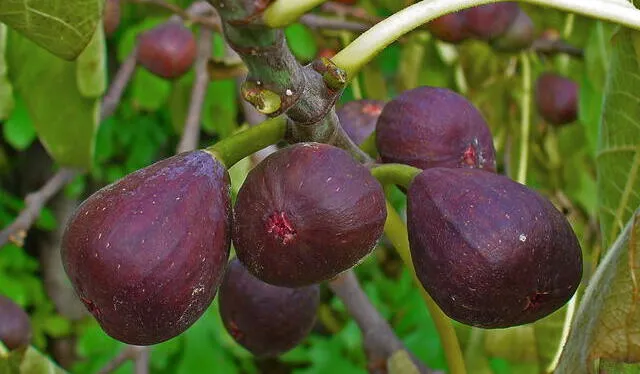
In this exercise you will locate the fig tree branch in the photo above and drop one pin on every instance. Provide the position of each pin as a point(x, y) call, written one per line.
point(131, 352)
point(318, 22)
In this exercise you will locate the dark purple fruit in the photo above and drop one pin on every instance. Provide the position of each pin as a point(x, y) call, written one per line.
point(147, 253)
point(450, 28)
point(557, 99)
point(518, 36)
point(15, 326)
point(429, 127)
point(491, 252)
point(111, 16)
point(358, 118)
point(305, 214)
point(168, 50)
point(489, 21)
point(267, 320)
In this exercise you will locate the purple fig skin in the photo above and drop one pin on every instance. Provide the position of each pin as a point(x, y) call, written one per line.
point(450, 28)
point(519, 35)
point(15, 325)
point(490, 251)
point(147, 253)
point(489, 21)
point(265, 319)
point(305, 214)
point(168, 50)
point(111, 16)
point(358, 118)
point(434, 127)
point(557, 99)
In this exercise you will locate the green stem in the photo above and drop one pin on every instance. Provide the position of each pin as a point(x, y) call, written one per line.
point(369, 145)
point(369, 44)
point(284, 12)
point(399, 174)
point(525, 122)
point(396, 231)
point(234, 148)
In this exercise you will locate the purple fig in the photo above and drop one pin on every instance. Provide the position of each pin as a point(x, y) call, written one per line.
point(305, 214)
point(490, 251)
point(429, 127)
point(265, 319)
point(557, 99)
point(518, 36)
point(15, 325)
point(489, 21)
point(358, 118)
point(111, 16)
point(147, 253)
point(167, 50)
point(450, 28)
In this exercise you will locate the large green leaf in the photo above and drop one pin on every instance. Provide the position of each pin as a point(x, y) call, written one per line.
point(618, 158)
point(63, 117)
point(63, 27)
point(6, 89)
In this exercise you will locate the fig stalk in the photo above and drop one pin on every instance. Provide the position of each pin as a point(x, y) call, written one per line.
point(399, 174)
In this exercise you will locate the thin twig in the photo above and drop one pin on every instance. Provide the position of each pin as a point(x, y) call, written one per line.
point(380, 341)
point(551, 47)
point(200, 12)
point(318, 22)
point(136, 353)
point(191, 131)
point(120, 82)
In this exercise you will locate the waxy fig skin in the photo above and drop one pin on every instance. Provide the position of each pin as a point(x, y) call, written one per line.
point(358, 118)
point(305, 214)
point(491, 252)
point(147, 253)
point(267, 320)
point(168, 50)
point(15, 325)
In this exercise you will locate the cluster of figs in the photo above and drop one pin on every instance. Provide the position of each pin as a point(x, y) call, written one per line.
point(148, 253)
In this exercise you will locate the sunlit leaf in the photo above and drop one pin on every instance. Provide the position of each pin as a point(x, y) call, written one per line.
point(6, 89)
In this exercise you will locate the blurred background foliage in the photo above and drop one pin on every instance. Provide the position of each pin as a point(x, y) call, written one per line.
point(147, 127)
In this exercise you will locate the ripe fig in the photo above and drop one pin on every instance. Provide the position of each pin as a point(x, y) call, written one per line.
point(15, 325)
point(489, 21)
point(429, 127)
point(557, 99)
point(490, 251)
point(146, 254)
point(305, 214)
point(167, 50)
point(450, 28)
point(358, 118)
point(265, 319)
point(111, 16)
point(518, 36)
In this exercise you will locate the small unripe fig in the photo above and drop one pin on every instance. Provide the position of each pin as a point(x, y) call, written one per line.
point(146, 254)
point(429, 127)
point(487, 22)
point(167, 50)
point(15, 326)
point(305, 214)
point(490, 251)
point(358, 118)
point(518, 36)
point(111, 16)
point(557, 99)
point(450, 28)
point(265, 319)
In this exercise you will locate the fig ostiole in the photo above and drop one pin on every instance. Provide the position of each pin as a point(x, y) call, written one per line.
point(267, 320)
point(490, 251)
point(146, 254)
point(305, 214)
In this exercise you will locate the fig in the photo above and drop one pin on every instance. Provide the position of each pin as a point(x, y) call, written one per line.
point(429, 127)
point(490, 251)
point(147, 253)
point(305, 214)
point(557, 99)
point(518, 36)
point(450, 28)
point(167, 50)
point(489, 21)
point(358, 118)
point(111, 16)
point(265, 319)
point(15, 325)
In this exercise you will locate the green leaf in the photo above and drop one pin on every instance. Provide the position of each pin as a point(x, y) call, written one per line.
point(18, 129)
point(91, 67)
point(149, 91)
point(220, 108)
point(63, 27)
point(607, 324)
point(6, 89)
point(301, 42)
point(65, 121)
point(618, 157)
